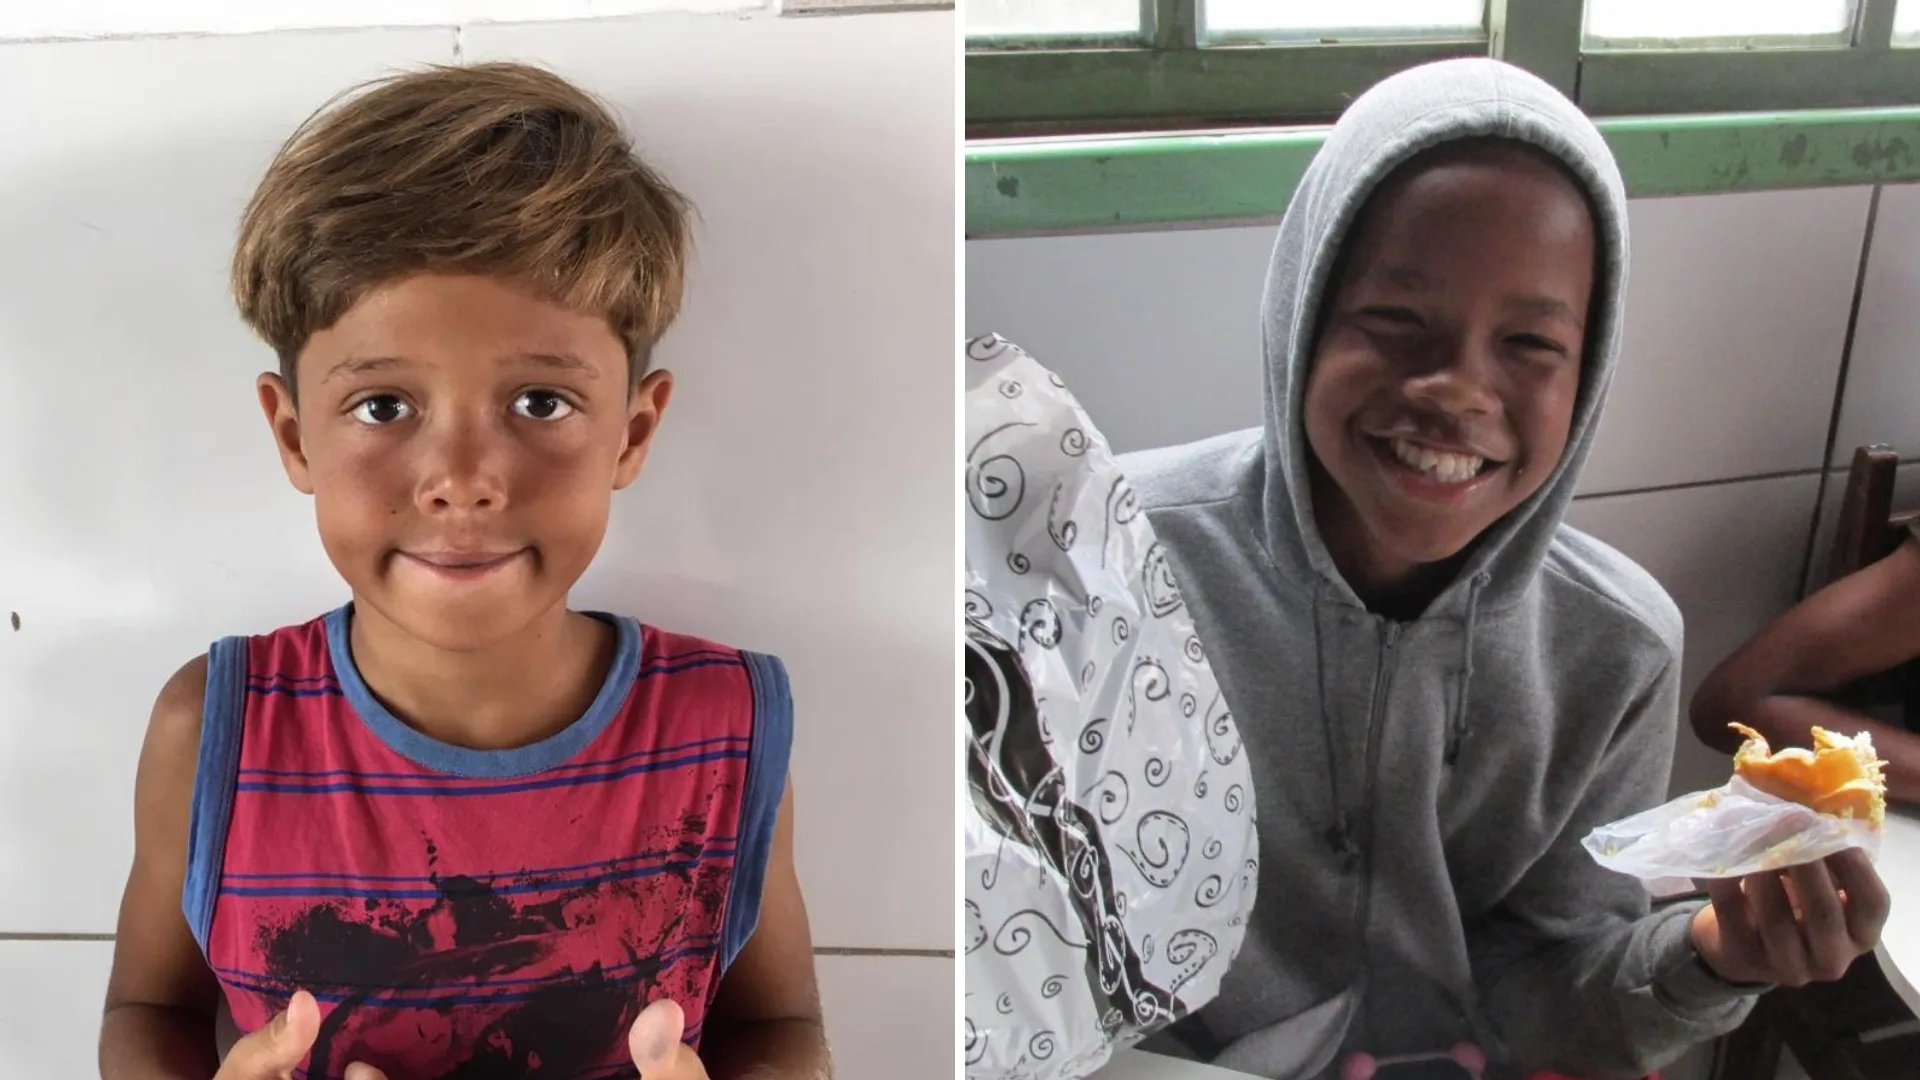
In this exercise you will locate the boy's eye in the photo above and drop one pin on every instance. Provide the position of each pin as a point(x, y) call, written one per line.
point(381, 409)
point(1536, 343)
point(1394, 317)
point(542, 405)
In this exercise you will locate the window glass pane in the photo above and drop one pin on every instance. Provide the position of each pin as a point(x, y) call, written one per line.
point(1295, 20)
point(1716, 20)
point(1052, 18)
point(1906, 23)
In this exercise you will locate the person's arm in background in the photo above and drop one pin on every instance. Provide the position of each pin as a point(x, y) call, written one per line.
point(1863, 624)
point(765, 1023)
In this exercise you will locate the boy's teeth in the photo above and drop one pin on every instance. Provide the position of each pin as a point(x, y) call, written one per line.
point(1448, 468)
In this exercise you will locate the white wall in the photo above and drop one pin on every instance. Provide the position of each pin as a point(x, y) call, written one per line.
point(46, 19)
point(1709, 460)
point(799, 499)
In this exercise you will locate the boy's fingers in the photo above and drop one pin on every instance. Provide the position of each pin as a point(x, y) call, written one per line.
point(1829, 951)
point(1786, 952)
point(1739, 930)
point(362, 1071)
point(276, 1048)
point(1867, 904)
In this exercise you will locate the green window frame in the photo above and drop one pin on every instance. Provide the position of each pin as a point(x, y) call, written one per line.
point(1097, 135)
point(1165, 77)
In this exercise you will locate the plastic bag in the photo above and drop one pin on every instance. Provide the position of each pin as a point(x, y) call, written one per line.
point(1730, 831)
point(1110, 847)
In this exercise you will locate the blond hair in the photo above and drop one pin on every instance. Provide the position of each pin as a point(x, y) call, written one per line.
point(498, 169)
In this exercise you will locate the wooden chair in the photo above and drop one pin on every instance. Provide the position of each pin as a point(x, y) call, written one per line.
point(1870, 528)
point(1856, 1028)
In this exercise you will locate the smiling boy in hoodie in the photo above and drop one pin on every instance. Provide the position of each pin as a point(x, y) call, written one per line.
point(1442, 687)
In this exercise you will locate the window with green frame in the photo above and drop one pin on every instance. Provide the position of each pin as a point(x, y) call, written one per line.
point(1104, 114)
point(1054, 66)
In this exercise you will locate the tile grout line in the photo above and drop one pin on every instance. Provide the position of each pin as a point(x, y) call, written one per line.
point(927, 954)
point(1688, 485)
point(1840, 386)
point(819, 950)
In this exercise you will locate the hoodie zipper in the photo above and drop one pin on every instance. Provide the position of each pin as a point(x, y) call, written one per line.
point(1376, 714)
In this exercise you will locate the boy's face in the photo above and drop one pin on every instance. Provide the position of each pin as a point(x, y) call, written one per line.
point(462, 439)
point(1447, 364)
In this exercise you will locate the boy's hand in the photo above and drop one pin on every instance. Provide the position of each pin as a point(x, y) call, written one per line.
point(657, 1050)
point(1795, 926)
point(274, 1051)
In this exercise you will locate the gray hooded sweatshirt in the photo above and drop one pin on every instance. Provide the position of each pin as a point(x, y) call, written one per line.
point(1423, 786)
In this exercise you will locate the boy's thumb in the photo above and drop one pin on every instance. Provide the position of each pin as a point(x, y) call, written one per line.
point(655, 1036)
point(290, 1035)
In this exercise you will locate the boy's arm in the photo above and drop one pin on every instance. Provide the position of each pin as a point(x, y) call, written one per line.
point(1865, 623)
point(1573, 972)
point(766, 1022)
point(160, 995)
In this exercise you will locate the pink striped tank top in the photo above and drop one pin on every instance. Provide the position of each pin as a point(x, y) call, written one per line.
point(467, 914)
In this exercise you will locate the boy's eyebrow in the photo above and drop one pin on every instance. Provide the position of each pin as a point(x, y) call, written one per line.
point(1545, 307)
point(563, 361)
point(1408, 277)
point(360, 365)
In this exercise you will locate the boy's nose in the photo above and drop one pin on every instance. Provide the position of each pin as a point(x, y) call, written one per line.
point(1458, 383)
point(462, 471)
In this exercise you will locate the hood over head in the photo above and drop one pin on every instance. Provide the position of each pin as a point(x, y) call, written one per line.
point(1391, 123)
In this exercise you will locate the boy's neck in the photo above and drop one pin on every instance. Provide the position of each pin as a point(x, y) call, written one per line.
point(1406, 595)
point(1391, 587)
point(510, 694)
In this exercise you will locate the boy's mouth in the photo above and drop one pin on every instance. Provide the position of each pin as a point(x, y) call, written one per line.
point(1429, 474)
point(1445, 466)
point(463, 564)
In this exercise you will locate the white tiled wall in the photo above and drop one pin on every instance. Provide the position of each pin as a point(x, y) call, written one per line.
point(1730, 554)
point(42, 19)
point(1158, 333)
point(50, 997)
point(1738, 302)
point(798, 501)
point(1883, 376)
point(1708, 465)
point(892, 1016)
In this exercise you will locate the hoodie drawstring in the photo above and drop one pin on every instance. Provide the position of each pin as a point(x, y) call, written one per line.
point(1457, 729)
point(1338, 837)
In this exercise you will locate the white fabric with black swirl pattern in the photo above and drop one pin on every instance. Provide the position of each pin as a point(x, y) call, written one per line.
point(1110, 849)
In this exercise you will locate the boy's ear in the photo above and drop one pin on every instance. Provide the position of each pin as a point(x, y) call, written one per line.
point(645, 406)
point(276, 400)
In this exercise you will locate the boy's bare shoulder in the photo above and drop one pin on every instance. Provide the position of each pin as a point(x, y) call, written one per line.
point(173, 730)
point(1614, 585)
